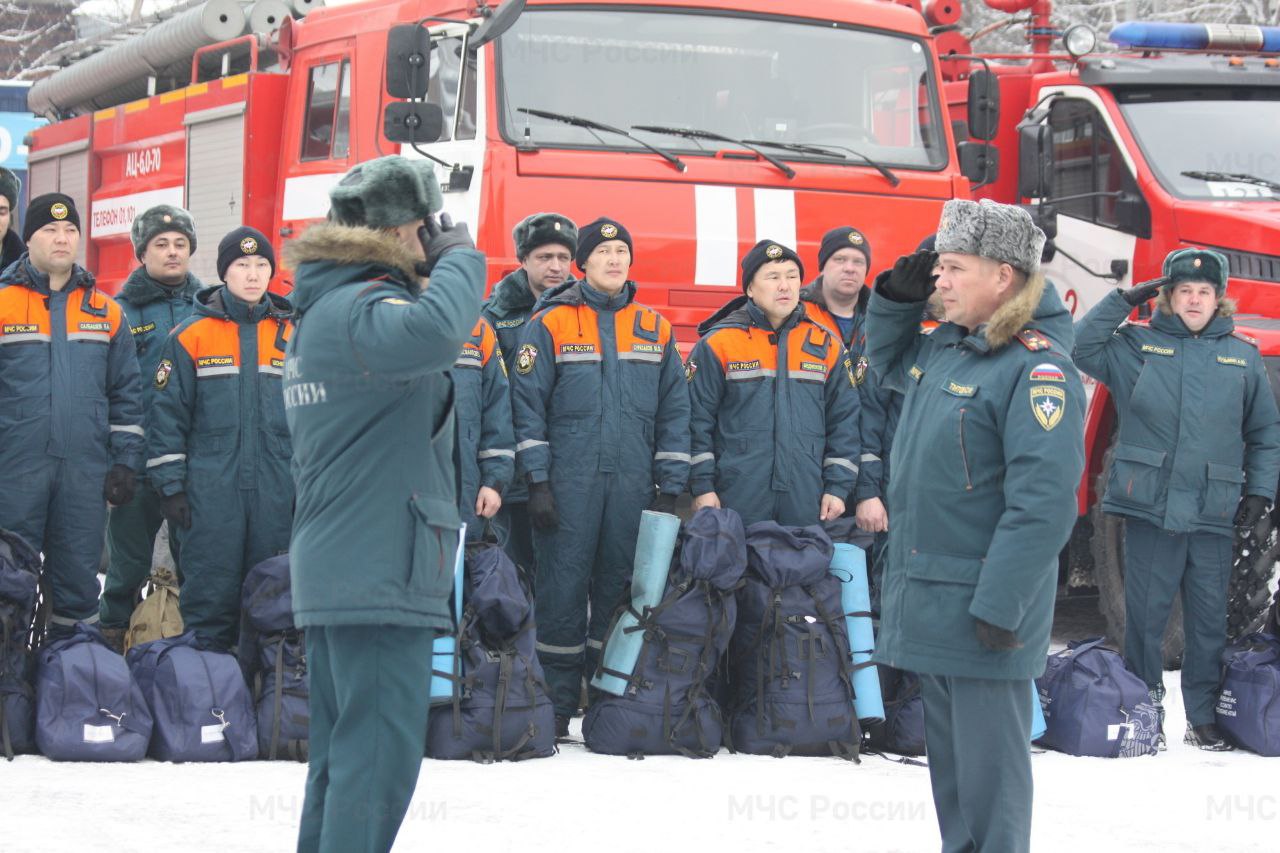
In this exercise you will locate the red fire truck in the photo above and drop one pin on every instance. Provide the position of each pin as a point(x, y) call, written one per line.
point(1169, 141)
point(759, 120)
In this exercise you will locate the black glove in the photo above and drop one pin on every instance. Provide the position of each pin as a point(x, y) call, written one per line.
point(997, 639)
point(176, 510)
point(1140, 293)
point(440, 238)
point(1252, 508)
point(911, 279)
point(120, 485)
point(542, 507)
point(664, 503)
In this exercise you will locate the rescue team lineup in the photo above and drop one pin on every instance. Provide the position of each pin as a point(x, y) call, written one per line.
point(357, 423)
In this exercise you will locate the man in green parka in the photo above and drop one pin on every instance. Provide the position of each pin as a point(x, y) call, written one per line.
point(1197, 454)
point(369, 403)
point(986, 460)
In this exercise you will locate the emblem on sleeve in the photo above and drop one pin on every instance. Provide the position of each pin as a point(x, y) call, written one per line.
point(690, 368)
point(162, 373)
point(1047, 403)
point(860, 370)
point(525, 358)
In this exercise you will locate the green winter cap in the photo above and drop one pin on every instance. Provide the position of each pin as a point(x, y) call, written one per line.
point(541, 229)
point(1197, 265)
point(385, 193)
point(161, 219)
point(10, 188)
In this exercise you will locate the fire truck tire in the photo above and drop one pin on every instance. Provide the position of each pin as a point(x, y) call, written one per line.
point(1253, 572)
point(1107, 546)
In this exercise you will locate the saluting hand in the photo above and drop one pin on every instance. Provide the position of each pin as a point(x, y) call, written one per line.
point(832, 507)
point(911, 279)
point(1140, 293)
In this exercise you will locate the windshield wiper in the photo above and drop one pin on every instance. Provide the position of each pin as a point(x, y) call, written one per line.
point(690, 133)
point(1237, 177)
point(825, 151)
point(589, 124)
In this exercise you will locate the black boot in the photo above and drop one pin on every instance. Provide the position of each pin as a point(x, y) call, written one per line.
point(562, 727)
point(1157, 699)
point(1207, 737)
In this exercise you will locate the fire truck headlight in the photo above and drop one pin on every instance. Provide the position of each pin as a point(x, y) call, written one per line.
point(1079, 40)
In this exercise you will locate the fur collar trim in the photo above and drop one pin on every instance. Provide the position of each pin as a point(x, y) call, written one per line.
point(1013, 316)
point(347, 245)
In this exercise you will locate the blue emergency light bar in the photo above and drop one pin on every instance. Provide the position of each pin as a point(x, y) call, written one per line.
point(1143, 36)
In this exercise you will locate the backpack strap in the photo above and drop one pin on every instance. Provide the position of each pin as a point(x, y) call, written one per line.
point(277, 701)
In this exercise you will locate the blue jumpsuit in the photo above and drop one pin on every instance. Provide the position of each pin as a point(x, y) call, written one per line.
point(482, 406)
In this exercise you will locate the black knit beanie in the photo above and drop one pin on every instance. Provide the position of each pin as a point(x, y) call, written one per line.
point(766, 251)
point(244, 242)
point(844, 237)
point(594, 233)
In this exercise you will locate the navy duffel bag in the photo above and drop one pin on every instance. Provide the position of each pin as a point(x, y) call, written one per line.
point(1094, 706)
point(1249, 706)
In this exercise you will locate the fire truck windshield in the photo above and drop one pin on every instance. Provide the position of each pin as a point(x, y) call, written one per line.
point(1209, 142)
point(763, 79)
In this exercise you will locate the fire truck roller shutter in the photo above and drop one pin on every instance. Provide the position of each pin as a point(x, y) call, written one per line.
point(215, 180)
point(64, 169)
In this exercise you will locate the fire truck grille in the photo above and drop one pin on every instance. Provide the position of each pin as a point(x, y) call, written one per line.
point(1252, 265)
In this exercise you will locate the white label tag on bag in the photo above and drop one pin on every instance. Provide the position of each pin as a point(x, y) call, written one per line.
point(211, 734)
point(1118, 731)
point(99, 734)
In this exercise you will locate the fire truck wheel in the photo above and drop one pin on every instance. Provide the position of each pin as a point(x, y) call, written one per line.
point(1253, 570)
point(1107, 546)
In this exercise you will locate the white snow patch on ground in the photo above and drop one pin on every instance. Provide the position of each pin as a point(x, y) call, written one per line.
point(1180, 800)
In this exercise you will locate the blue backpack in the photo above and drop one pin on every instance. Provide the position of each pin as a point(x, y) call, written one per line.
point(791, 669)
point(902, 731)
point(1248, 708)
point(1094, 706)
point(88, 707)
point(19, 585)
point(273, 656)
point(499, 709)
point(198, 699)
point(666, 707)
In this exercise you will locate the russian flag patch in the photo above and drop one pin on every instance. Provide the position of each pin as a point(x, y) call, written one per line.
point(1047, 373)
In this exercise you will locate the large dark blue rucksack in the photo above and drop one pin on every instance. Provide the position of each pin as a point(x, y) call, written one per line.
point(1248, 709)
point(19, 585)
point(273, 656)
point(666, 707)
point(88, 706)
point(499, 709)
point(199, 703)
point(1093, 705)
point(790, 667)
point(902, 731)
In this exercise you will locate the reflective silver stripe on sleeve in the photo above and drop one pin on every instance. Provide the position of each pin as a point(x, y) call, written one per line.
point(843, 463)
point(655, 357)
point(595, 644)
point(94, 337)
point(202, 372)
point(157, 461)
point(25, 338)
point(662, 455)
point(702, 457)
point(806, 376)
point(491, 454)
point(577, 356)
point(136, 430)
point(869, 457)
point(462, 361)
point(68, 620)
point(274, 371)
point(754, 373)
point(560, 650)
point(529, 445)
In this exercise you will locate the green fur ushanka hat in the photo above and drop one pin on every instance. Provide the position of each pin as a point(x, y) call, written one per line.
point(10, 188)
point(541, 229)
point(385, 193)
point(1197, 265)
point(154, 221)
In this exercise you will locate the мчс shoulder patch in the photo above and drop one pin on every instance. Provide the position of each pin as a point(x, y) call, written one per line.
point(162, 373)
point(525, 358)
point(1047, 404)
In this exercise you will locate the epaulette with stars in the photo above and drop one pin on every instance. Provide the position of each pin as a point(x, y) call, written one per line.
point(1033, 340)
point(1248, 339)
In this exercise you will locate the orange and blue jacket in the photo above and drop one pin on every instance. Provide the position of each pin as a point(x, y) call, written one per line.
point(69, 385)
point(598, 386)
point(773, 411)
point(482, 409)
point(217, 417)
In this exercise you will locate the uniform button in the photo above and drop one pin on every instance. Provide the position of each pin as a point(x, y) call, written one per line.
point(914, 551)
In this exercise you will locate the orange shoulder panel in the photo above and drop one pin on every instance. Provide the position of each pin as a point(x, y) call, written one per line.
point(743, 346)
point(572, 325)
point(212, 337)
point(22, 311)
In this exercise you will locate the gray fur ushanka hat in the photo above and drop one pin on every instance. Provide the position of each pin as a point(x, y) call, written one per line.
point(154, 221)
point(1001, 232)
point(385, 193)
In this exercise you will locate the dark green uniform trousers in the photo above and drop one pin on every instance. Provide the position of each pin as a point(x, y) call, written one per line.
point(1157, 563)
point(131, 539)
point(513, 518)
point(978, 733)
point(370, 687)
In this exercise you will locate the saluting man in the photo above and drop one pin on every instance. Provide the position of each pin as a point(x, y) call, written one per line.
point(602, 420)
point(545, 243)
point(1197, 452)
point(71, 436)
point(156, 298)
point(774, 405)
point(988, 453)
point(217, 441)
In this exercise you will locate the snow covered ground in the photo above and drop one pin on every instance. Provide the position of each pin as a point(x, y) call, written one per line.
point(1181, 800)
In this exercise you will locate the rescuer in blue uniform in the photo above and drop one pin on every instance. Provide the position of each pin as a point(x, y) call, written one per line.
point(602, 433)
point(486, 442)
point(156, 297)
point(1197, 454)
point(989, 450)
point(71, 435)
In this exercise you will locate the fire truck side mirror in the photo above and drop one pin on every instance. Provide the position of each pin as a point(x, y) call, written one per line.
point(496, 24)
point(1035, 160)
point(414, 122)
point(984, 105)
point(979, 162)
point(409, 49)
